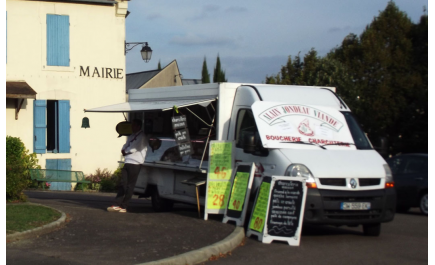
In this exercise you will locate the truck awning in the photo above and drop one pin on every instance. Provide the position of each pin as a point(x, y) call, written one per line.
point(152, 105)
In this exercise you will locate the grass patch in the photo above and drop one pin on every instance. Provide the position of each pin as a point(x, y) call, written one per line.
point(21, 217)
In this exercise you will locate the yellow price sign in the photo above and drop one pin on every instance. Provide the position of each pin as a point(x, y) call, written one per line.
point(238, 192)
point(217, 194)
point(260, 210)
point(220, 164)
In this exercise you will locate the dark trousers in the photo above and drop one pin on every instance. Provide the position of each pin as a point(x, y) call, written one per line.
point(129, 174)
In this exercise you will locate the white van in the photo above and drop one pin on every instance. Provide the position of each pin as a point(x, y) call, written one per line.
point(286, 130)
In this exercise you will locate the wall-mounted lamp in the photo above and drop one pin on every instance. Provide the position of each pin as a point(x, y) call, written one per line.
point(146, 51)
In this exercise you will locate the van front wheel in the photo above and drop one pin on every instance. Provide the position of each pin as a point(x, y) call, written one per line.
point(160, 204)
point(372, 229)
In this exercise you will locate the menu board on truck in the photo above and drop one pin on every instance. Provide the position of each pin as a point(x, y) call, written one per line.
point(279, 210)
point(181, 134)
point(240, 191)
point(220, 166)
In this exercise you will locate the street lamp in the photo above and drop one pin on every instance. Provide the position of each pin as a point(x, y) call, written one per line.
point(145, 52)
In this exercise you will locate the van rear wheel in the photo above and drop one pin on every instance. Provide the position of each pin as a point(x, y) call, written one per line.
point(372, 229)
point(160, 204)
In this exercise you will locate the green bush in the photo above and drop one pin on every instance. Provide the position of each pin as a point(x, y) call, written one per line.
point(117, 175)
point(108, 185)
point(18, 163)
point(104, 180)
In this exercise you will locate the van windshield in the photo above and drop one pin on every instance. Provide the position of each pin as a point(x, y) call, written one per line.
point(358, 135)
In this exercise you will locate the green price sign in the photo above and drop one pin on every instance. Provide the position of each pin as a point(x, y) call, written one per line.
point(220, 161)
point(260, 210)
point(217, 194)
point(238, 192)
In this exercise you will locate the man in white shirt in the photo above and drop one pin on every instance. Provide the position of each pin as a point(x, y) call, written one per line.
point(134, 152)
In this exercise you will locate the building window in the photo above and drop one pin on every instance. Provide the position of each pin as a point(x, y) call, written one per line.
point(57, 40)
point(51, 126)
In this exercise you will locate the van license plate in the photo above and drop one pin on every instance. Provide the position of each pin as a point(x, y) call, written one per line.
point(355, 206)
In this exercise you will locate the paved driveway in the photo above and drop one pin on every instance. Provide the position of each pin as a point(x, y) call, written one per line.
point(95, 236)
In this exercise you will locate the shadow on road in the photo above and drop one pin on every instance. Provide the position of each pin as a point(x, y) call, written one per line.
point(104, 200)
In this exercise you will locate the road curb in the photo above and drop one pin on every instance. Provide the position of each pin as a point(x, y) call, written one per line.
point(205, 253)
point(39, 230)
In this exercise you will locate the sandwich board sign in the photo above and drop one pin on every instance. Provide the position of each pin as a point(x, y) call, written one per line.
point(279, 210)
point(219, 173)
point(240, 191)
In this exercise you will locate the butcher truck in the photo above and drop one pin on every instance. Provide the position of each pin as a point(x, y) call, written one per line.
point(293, 131)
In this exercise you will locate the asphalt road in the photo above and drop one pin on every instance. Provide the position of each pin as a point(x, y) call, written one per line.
point(402, 241)
point(94, 236)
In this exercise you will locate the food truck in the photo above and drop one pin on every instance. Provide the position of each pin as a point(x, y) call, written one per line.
point(285, 130)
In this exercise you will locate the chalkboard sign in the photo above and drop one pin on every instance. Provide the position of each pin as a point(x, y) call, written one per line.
point(218, 177)
point(284, 210)
point(179, 122)
point(240, 191)
point(285, 197)
point(182, 136)
point(185, 149)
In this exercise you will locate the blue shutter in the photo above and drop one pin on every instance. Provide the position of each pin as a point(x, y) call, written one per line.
point(57, 40)
point(64, 126)
point(64, 164)
point(59, 164)
point(39, 126)
point(52, 164)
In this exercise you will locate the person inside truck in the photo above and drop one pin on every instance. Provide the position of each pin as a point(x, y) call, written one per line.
point(134, 152)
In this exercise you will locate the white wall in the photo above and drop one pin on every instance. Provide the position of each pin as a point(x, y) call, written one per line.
point(97, 35)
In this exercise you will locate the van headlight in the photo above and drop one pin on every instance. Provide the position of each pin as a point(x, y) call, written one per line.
point(299, 170)
point(389, 182)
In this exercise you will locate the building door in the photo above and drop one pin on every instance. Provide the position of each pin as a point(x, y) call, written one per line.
point(59, 164)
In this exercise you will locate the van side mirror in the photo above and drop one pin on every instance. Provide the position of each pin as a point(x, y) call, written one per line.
point(251, 144)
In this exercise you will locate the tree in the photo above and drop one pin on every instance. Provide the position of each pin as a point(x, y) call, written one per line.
point(205, 75)
point(159, 66)
point(218, 73)
point(382, 76)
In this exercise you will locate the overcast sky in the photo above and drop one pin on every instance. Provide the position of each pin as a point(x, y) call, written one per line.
point(253, 38)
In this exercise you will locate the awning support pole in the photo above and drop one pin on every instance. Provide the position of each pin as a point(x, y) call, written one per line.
point(209, 125)
point(206, 143)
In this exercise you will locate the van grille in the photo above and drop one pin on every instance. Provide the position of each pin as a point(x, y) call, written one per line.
point(369, 182)
point(341, 182)
point(352, 198)
point(332, 205)
point(333, 182)
point(353, 215)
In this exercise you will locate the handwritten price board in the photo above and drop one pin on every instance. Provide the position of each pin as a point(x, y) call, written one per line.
point(218, 193)
point(220, 168)
point(259, 215)
point(241, 189)
point(220, 160)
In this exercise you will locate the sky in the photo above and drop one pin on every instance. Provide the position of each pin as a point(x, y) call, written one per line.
point(252, 38)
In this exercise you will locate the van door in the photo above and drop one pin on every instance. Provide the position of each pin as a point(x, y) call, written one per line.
point(242, 125)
